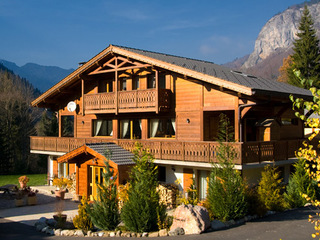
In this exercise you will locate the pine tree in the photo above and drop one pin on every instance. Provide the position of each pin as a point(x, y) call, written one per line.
point(299, 183)
point(270, 189)
point(142, 210)
point(227, 190)
point(104, 212)
point(305, 58)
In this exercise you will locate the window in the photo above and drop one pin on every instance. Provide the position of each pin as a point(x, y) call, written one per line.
point(151, 80)
point(67, 126)
point(123, 84)
point(161, 174)
point(165, 128)
point(203, 184)
point(105, 86)
point(162, 80)
point(289, 121)
point(63, 170)
point(136, 82)
point(102, 127)
point(130, 129)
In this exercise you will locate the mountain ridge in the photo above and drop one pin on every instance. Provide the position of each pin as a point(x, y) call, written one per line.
point(42, 77)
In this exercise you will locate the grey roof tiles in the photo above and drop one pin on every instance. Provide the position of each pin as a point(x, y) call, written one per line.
point(117, 154)
point(260, 85)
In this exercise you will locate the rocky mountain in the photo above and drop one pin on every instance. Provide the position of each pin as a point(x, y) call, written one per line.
point(275, 40)
point(41, 77)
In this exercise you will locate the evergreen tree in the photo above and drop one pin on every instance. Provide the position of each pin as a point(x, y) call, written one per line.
point(104, 211)
point(48, 124)
point(142, 211)
point(305, 58)
point(227, 190)
point(299, 183)
point(270, 189)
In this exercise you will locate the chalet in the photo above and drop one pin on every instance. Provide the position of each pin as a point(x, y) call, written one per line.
point(171, 105)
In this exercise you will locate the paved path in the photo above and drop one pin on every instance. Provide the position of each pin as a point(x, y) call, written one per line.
point(291, 225)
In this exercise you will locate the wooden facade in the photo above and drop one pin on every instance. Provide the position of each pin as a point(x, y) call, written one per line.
point(127, 95)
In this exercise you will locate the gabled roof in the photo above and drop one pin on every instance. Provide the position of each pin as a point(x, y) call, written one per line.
point(116, 154)
point(197, 69)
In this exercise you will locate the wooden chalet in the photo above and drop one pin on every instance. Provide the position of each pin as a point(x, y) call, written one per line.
point(171, 105)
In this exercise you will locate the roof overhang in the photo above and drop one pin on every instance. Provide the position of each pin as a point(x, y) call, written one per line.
point(70, 156)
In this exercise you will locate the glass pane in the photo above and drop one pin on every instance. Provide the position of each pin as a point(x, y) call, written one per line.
point(67, 126)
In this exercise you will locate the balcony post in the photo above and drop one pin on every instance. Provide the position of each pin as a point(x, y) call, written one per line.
point(157, 91)
point(82, 95)
point(116, 83)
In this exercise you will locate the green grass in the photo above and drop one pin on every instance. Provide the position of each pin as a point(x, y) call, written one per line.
point(35, 179)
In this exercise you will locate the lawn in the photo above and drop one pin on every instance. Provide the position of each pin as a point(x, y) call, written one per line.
point(35, 179)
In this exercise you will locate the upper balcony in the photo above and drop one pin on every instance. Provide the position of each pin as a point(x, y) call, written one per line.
point(246, 153)
point(128, 101)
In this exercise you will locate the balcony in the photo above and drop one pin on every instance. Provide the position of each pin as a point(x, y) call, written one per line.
point(128, 101)
point(246, 153)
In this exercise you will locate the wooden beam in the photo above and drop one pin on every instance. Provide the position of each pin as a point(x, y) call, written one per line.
point(119, 69)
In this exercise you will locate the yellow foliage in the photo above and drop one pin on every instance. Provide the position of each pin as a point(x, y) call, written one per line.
point(62, 183)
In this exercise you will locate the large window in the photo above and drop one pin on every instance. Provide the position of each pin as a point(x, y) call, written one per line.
point(165, 128)
point(130, 129)
point(102, 127)
point(67, 126)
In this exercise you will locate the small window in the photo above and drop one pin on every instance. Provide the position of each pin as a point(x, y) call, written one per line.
point(136, 82)
point(151, 80)
point(289, 121)
point(102, 127)
point(161, 174)
point(123, 84)
point(162, 80)
point(67, 126)
point(164, 128)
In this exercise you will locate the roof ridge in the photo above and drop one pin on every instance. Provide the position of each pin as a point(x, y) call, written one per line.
point(165, 54)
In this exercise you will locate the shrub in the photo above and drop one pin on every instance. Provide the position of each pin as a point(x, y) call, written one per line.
point(299, 183)
point(142, 211)
point(83, 220)
point(255, 206)
point(270, 189)
point(192, 195)
point(104, 211)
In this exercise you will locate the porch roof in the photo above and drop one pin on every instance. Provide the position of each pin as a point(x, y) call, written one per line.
point(115, 153)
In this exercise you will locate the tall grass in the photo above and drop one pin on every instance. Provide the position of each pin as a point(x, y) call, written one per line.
point(35, 179)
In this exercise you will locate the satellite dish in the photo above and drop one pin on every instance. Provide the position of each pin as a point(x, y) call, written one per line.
point(71, 106)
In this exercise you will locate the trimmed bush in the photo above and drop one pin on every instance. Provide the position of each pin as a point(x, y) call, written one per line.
point(270, 189)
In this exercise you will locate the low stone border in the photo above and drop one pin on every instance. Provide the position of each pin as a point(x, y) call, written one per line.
point(48, 226)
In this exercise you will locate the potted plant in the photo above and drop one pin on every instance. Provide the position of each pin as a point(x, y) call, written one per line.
point(23, 180)
point(19, 201)
point(59, 216)
point(61, 184)
point(32, 196)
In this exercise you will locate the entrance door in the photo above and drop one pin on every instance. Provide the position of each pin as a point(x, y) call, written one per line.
point(97, 177)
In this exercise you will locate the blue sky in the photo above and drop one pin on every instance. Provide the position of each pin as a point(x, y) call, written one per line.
point(65, 32)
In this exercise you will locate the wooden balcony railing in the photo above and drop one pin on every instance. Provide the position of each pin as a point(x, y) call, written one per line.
point(128, 101)
point(250, 152)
